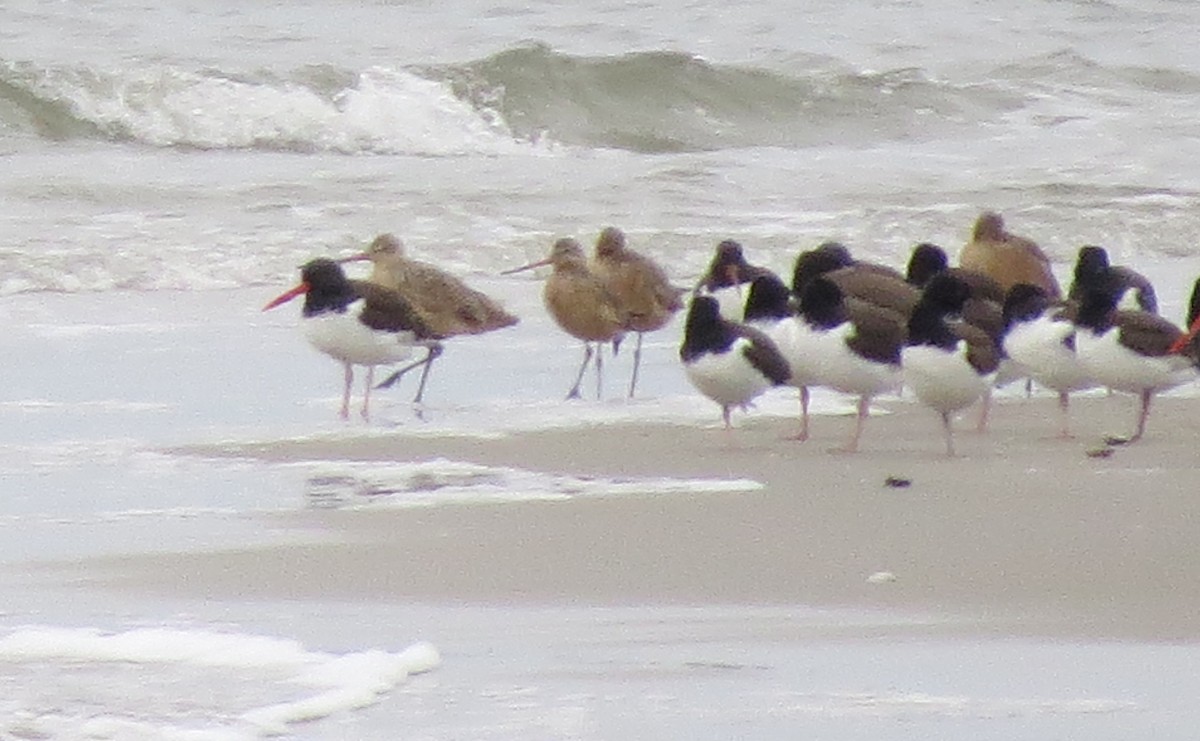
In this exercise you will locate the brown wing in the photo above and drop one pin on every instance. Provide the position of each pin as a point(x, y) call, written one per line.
point(1145, 333)
point(982, 352)
point(879, 333)
point(387, 310)
point(764, 356)
point(877, 288)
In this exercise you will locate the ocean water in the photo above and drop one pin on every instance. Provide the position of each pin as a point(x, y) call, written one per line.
point(165, 167)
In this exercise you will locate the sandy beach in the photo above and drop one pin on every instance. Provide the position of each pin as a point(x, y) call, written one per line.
point(1022, 534)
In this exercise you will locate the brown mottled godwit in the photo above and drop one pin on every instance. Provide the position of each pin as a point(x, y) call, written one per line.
point(580, 304)
point(640, 287)
point(1007, 258)
point(448, 305)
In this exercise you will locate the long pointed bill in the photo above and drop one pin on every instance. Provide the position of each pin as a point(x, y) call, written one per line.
point(355, 258)
point(1186, 338)
point(283, 298)
point(530, 266)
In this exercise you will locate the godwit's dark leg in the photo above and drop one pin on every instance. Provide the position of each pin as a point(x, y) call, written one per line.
point(637, 361)
point(435, 351)
point(599, 371)
point(587, 356)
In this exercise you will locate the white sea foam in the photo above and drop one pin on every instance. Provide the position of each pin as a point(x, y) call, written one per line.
point(340, 484)
point(184, 684)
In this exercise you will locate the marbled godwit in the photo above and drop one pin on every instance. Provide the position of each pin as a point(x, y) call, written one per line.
point(1039, 336)
point(1129, 351)
point(728, 362)
point(448, 305)
point(356, 322)
point(948, 365)
point(728, 279)
point(640, 287)
point(853, 352)
point(1007, 258)
point(580, 304)
point(1092, 269)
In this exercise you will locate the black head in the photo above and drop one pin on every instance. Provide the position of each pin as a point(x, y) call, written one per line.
point(816, 262)
point(1092, 261)
point(823, 304)
point(926, 261)
point(768, 299)
point(727, 265)
point(946, 293)
point(1024, 302)
point(1097, 304)
point(323, 274)
point(705, 330)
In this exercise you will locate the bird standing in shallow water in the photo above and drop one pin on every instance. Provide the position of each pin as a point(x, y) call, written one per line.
point(640, 287)
point(580, 304)
point(448, 306)
point(357, 323)
point(728, 362)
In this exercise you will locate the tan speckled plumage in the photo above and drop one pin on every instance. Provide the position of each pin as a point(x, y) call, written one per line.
point(1007, 258)
point(580, 303)
point(639, 286)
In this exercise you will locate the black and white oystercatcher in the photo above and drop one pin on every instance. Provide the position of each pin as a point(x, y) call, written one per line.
point(1130, 351)
point(1093, 270)
point(356, 323)
point(1039, 336)
point(728, 362)
point(855, 352)
point(948, 365)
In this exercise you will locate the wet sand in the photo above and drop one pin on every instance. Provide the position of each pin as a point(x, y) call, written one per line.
point(1022, 534)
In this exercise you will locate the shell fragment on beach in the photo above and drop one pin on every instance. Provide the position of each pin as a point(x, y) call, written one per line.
point(881, 577)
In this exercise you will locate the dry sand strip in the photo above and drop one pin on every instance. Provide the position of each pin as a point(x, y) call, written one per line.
point(1023, 533)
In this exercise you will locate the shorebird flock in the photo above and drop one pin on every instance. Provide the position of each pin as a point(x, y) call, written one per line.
point(949, 334)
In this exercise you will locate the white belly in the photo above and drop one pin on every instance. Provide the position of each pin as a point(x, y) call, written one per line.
point(1120, 368)
point(727, 378)
point(942, 380)
point(1038, 348)
point(342, 336)
point(836, 366)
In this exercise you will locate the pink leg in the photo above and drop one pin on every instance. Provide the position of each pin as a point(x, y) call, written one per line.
point(1064, 409)
point(725, 415)
point(947, 427)
point(984, 411)
point(349, 378)
point(802, 435)
point(1147, 395)
point(366, 407)
point(864, 411)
